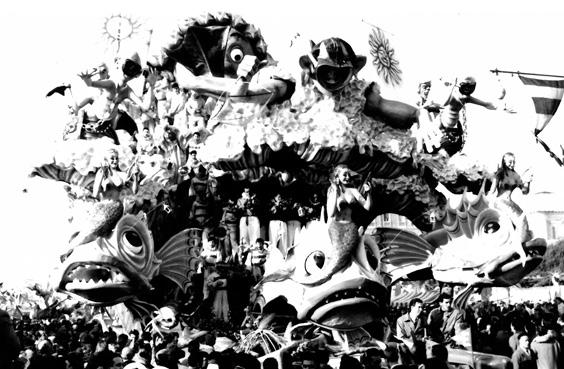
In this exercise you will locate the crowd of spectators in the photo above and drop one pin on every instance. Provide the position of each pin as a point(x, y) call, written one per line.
point(529, 335)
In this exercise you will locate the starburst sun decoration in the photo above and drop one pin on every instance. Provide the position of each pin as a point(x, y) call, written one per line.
point(120, 27)
point(387, 66)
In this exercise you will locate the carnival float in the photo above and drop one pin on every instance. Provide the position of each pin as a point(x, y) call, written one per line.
point(166, 206)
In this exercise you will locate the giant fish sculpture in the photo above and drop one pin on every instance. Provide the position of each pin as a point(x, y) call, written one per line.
point(120, 267)
point(483, 242)
point(341, 288)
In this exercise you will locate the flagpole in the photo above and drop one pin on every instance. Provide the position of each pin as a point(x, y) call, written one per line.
point(550, 152)
point(497, 71)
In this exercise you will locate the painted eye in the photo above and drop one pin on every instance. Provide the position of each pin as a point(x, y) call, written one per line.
point(314, 262)
point(236, 54)
point(491, 227)
point(132, 240)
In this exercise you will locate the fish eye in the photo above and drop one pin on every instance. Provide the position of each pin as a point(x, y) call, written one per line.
point(132, 240)
point(314, 262)
point(491, 227)
point(236, 54)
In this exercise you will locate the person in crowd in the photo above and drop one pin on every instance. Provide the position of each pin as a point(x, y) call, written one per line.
point(249, 223)
point(230, 221)
point(277, 226)
point(259, 254)
point(294, 225)
point(211, 255)
point(173, 148)
point(310, 360)
point(548, 349)
point(10, 346)
point(410, 330)
point(437, 358)
point(442, 320)
point(517, 328)
point(193, 163)
point(195, 142)
point(372, 359)
point(506, 179)
point(524, 357)
point(201, 213)
point(217, 285)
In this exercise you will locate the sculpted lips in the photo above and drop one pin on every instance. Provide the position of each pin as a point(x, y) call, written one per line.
point(348, 307)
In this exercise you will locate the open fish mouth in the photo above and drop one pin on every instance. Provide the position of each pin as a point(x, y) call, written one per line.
point(347, 307)
point(100, 282)
point(511, 270)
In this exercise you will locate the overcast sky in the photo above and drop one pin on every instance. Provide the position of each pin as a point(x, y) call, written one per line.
point(48, 42)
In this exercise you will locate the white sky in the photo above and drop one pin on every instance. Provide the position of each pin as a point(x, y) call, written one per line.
point(48, 42)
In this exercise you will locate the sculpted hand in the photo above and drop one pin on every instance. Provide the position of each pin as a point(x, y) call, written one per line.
point(184, 77)
point(248, 67)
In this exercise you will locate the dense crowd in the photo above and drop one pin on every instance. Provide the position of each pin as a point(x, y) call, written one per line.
point(529, 333)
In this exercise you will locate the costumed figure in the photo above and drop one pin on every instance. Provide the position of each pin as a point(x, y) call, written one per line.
point(101, 119)
point(354, 110)
point(221, 56)
point(109, 179)
point(452, 130)
point(347, 208)
point(506, 179)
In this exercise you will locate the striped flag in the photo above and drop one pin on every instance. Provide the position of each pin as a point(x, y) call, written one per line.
point(546, 95)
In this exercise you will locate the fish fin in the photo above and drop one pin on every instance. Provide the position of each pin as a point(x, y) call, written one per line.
point(277, 276)
point(399, 247)
point(461, 299)
point(179, 258)
point(405, 254)
point(67, 175)
point(140, 309)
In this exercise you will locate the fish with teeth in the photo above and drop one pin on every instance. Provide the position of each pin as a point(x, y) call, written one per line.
point(336, 287)
point(119, 267)
point(484, 242)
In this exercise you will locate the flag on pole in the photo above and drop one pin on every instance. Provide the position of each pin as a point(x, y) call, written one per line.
point(546, 95)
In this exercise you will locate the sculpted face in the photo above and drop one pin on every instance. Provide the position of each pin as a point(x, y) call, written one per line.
point(337, 288)
point(333, 78)
point(114, 268)
point(236, 47)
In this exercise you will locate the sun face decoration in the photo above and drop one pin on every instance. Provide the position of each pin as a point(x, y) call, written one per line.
point(120, 27)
